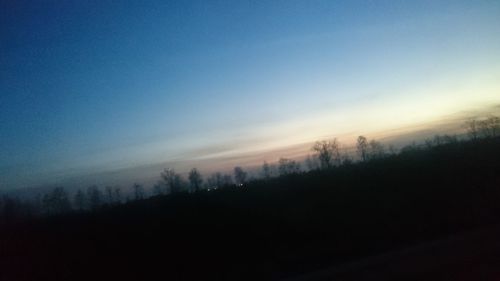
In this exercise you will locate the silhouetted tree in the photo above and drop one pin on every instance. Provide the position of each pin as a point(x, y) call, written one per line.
point(3, 215)
point(472, 129)
point(288, 166)
point(172, 180)
point(108, 191)
point(410, 148)
point(13, 208)
point(180, 184)
point(328, 153)
point(429, 143)
point(47, 204)
point(158, 189)
point(195, 179)
point(117, 195)
point(138, 191)
point(61, 200)
point(392, 150)
point(168, 176)
point(219, 179)
point(10, 208)
point(37, 203)
point(56, 202)
point(211, 182)
point(490, 127)
point(377, 149)
point(439, 140)
point(80, 200)
point(94, 196)
point(346, 159)
point(266, 171)
point(450, 139)
point(227, 180)
point(362, 148)
point(240, 176)
point(312, 163)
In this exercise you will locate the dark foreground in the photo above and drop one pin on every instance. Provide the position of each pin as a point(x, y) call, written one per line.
point(287, 227)
point(472, 255)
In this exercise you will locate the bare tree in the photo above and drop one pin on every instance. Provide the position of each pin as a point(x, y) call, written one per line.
point(266, 171)
point(392, 150)
point(56, 202)
point(410, 148)
point(490, 127)
point(138, 191)
point(80, 200)
point(438, 140)
point(449, 139)
point(472, 128)
point(108, 191)
point(218, 179)
point(240, 176)
point(195, 179)
point(346, 159)
point(168, 176)
point(377, 149)
point(288, 166)
point(158, 189)
point(37, 203)
point(362, 148)
point(227, 180)
point(172, 180)
point(13, 208)
point(118, 195)
point(312, 163)
point(94, 196)
point(328, 153)
point(211, 182)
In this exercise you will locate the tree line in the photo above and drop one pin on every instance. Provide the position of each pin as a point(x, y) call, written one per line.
point(327, 154)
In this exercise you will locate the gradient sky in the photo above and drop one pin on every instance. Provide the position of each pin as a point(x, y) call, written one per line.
point(93, 86)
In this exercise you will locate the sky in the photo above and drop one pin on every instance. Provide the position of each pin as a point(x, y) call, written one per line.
point(93, 87)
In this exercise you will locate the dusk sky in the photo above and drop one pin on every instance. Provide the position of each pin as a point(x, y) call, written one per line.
point(95, 86)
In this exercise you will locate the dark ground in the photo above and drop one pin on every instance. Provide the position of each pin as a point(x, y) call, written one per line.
point(471, 255)
point(286, 227)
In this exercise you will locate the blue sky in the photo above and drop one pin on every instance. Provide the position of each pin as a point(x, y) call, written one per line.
point(89, 86)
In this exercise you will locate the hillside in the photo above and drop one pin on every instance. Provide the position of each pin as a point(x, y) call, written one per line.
point(268, 229)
